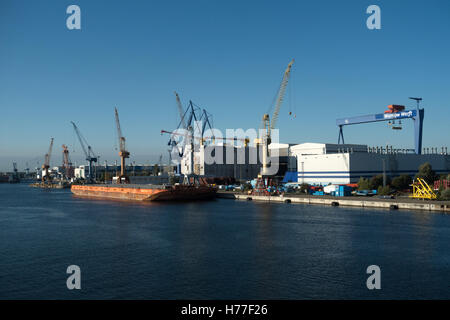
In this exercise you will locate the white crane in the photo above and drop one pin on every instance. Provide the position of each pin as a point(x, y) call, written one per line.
point(268, 124)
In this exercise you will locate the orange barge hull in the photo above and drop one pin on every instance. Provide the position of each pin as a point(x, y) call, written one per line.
point(145, 193)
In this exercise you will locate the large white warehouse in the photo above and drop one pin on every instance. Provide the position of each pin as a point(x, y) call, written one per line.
point(322, 163)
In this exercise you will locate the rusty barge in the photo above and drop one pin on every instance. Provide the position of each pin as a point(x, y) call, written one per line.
point(144, 192)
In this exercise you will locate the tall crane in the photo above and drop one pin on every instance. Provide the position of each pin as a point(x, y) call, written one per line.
point(123, 153)
point(268, 124)
point(188, 120)
point(89, 153)
point(280, 96)
point(180, 110)
point(67, 164)
point(46, 164)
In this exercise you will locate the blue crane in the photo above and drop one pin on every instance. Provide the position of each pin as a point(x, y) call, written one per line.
point(417, 116)
point(190, 118)
point(89, 153)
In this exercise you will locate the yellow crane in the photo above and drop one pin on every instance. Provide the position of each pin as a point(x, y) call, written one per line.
point(123, 153)
point(421, 190)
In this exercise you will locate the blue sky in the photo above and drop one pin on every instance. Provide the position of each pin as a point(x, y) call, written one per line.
point(226, 56)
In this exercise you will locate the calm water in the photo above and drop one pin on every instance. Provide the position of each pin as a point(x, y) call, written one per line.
point(215, 250)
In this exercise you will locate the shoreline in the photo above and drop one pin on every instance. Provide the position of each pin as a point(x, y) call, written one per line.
point(362, 202)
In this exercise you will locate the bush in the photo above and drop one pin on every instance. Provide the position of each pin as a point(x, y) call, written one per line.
point(363, 184)
point(426, 173)
point(377, 181)
point(445, 195)
point(384, 191)
point(247, 187)
point(401, 182)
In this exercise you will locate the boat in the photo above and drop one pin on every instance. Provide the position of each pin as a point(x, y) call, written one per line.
point(51, 185)
point(145, 192)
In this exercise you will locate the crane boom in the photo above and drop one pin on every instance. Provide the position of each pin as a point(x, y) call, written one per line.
point(119, 133)
point(49, 154)
point(180, 110)
point(89, 153)
point(245, 140)
point(280, 95)
point(80, 138)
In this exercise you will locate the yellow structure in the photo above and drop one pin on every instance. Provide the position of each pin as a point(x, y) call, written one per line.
point(421, 190)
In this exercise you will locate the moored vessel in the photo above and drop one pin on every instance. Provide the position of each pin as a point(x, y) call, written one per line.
point(146, 192)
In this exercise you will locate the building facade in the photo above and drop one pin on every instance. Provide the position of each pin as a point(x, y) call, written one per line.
point(319, 163)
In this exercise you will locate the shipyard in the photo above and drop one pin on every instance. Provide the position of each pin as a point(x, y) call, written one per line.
point(205, 154)
point(254, 163)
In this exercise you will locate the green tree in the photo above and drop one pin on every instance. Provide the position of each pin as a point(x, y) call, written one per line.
point(363, 184)
point(426, 173)
point(401, 182)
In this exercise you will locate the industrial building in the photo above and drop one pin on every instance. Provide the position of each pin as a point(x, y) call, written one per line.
point(318, 163)
point(238, 162)
point(321, 163)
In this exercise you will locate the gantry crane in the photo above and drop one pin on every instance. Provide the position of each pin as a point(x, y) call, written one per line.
point(89, 153)
point(396, 112)
point(46, 165)
point(269, 124)
point(123, 153)
point(190, 119)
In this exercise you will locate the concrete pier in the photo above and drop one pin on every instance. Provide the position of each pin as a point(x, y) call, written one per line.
point(363, 202)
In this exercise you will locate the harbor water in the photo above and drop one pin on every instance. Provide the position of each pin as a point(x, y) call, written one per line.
point(221, 249)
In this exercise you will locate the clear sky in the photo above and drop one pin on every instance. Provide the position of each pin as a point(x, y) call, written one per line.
point(226, 56)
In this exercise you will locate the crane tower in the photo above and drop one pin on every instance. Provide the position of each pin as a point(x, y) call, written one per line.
point(123, 153)
point(269, 124)
point(46, 165)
